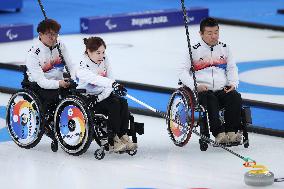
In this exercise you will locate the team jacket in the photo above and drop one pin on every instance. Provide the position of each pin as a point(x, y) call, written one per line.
point(95, 78)
point(214, 67)
point(45, 67)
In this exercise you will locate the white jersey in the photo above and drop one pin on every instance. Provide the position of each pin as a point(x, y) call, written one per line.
point(45, 67)
point(214, 67)
point(95, 78)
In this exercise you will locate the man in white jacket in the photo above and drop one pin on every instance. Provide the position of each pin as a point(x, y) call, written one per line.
point(217, 78)
point(44, 64)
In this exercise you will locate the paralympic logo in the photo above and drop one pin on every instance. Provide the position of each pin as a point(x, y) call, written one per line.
point(109, 25)
point(10, 35)
point(84, 27)
point(190, 19)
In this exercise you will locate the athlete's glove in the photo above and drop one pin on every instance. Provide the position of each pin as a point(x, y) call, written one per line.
point(119, 89)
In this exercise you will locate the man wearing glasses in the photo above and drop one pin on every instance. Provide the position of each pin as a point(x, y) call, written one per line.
point(44, 66)
point(217, 79)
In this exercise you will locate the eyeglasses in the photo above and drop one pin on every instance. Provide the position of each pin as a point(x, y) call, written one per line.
point(51, 34)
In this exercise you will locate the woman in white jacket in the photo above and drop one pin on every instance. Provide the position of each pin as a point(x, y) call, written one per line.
point(94, 75)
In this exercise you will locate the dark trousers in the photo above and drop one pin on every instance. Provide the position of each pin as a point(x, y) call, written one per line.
point(116, 108)
point(49, 98)
point(214, 101)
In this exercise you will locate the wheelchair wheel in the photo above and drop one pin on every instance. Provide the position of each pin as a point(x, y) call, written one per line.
point(180, 108)
point(24, 119)
point(73, 125)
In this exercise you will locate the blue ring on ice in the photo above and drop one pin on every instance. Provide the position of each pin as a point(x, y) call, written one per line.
point(245, 87)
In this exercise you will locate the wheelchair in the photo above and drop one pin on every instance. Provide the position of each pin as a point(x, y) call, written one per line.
point(72, 122)
point(182, 106)
point(77, 124)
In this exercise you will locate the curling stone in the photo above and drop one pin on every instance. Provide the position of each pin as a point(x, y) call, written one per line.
point(259, 177)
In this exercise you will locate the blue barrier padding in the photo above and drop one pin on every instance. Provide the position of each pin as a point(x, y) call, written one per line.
point(141, 20)
point(268, 118)
point(4, 135)
point(11, 78)
point(2, 112)
point(158, 102)
point(15, 32)
point(11, 4)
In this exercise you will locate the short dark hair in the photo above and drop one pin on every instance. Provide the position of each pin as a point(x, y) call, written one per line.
point(93, 43)
point(208, 22)
point(47, 25)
